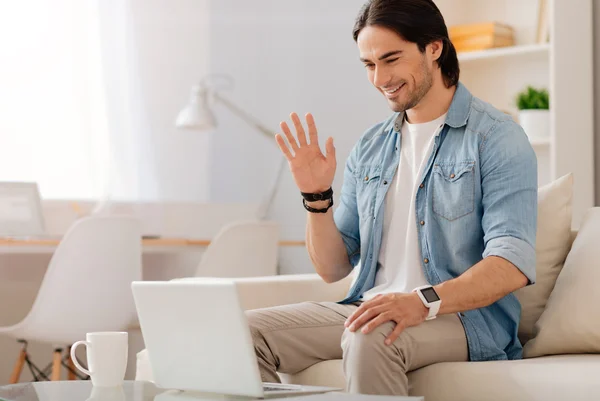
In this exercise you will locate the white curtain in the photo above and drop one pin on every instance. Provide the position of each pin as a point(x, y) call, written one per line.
point(133, 167)
point(52, 119)
point(68, 97)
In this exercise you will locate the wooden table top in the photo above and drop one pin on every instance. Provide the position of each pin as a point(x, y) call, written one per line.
point(176, 242)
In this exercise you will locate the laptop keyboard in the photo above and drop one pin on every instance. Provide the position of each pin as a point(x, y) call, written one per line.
point(266, 387)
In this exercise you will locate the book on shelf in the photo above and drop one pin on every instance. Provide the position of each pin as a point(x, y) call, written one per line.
point(481, 36)
point(543, 23)
point(481, 42)
point(457, 32)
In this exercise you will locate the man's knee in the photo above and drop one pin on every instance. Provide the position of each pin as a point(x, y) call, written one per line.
point(364, 350)
point(256, 324)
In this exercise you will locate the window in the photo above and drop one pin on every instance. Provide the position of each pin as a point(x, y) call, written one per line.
point(53, 127)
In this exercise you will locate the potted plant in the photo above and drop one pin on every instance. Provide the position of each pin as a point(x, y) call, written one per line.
point(534, 114)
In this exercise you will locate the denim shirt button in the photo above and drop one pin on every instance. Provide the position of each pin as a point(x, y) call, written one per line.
point(421, 186)
point(422, 223)
point(426, 260)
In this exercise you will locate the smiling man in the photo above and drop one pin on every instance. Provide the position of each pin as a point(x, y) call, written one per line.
point(438, 207)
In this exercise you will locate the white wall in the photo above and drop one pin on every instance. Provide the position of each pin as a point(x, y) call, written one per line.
point(286, 56)
point(154, 52)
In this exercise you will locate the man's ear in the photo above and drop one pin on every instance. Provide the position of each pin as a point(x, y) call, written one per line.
point(436, 48)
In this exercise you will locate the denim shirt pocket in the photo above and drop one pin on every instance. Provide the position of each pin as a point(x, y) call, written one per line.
point(453, 189)
point(367, 183)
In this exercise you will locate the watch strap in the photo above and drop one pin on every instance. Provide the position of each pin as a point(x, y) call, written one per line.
point(434, 308)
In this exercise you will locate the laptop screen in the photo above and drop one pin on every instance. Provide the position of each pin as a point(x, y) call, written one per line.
point(20, 209)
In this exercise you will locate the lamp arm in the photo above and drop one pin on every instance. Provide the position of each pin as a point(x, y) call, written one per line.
point(245, 116)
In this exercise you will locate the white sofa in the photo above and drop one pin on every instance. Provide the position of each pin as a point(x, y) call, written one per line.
point(561, 377)
point(560, 322)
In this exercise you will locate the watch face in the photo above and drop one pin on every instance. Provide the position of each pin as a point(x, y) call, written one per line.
point(430, 295)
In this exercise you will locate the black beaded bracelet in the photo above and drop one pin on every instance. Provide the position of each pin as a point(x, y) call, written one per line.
point(313, 210)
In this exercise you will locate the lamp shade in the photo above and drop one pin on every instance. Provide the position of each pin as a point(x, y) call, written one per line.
point(196, 115)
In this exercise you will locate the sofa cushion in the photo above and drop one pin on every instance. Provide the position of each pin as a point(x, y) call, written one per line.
point(552, 245)
point(565, 377)
point(326, 373)
point(570, 322)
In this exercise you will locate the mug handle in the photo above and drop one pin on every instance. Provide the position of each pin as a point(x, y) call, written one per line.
point(74, 358)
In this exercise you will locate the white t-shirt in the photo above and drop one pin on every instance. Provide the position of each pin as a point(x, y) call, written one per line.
point(399, 257)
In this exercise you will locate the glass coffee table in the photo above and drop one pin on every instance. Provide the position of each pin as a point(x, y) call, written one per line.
point(139, 391)
point(79, 391)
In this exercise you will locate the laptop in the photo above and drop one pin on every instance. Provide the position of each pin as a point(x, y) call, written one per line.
point(198, 339)
point(21, 214)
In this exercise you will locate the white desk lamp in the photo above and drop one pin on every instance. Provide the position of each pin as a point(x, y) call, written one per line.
point(197, 115)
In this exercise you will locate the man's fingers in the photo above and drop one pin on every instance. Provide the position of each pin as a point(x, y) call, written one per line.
point(361, 309)
point(288, 135)
point(299, 129)
point(330, 151)
point(364, 318)
point(395, 333)
point(283, 146)
point(365, 305)
point(354, 315)
point(374, 323)
point(312, 129)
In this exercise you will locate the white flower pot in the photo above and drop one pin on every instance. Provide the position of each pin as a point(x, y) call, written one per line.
point(535, 123)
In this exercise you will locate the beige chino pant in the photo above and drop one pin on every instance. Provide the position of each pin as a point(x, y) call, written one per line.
point(291, 338)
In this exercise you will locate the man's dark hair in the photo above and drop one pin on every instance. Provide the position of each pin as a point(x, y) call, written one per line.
point(416, 21)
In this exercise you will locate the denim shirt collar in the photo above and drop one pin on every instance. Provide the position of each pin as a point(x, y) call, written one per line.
point(458, 113)
point(460, 108)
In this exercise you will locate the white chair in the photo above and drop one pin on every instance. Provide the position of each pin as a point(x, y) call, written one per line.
point(242, 249)
point(86, 288)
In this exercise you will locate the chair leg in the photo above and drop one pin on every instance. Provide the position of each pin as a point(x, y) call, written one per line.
point(56, 364)
point(16, 373)
point(71, 370)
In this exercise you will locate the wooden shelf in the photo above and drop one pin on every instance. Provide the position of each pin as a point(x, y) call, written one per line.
point(511, 51)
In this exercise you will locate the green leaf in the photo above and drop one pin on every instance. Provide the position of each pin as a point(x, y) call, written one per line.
point(533, 98)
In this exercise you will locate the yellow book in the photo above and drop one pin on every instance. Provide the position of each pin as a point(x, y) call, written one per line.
point(484, 28)
point(481, 42)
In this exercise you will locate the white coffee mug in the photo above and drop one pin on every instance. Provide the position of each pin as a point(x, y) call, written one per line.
point(107, 357)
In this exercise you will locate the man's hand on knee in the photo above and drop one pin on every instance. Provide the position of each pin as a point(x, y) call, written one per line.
point(406, 310)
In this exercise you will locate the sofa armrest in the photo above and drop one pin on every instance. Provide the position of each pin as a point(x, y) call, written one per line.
point(263, 292)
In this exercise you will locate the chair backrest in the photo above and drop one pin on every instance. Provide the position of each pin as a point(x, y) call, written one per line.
point(87, 286)
point(242, 249)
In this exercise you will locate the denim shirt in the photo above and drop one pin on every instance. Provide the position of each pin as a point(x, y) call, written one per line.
point(477, 198)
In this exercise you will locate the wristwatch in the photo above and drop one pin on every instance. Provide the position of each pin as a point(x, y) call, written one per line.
point(430, 299)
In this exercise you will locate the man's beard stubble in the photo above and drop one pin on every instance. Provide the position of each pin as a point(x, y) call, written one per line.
point(420, 91)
